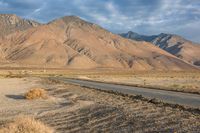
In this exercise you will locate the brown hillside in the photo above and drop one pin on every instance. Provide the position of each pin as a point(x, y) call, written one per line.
point(174, 44)
point(180, 47)
point(74, 43)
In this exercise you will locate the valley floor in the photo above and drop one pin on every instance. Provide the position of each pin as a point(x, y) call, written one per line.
point(71, 108)
point(176, 81)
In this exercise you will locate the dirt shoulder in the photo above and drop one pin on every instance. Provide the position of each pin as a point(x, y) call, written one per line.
point(71, 108)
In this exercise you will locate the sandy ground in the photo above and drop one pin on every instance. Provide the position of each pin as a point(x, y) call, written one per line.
point(12, 100)
point(72, 108)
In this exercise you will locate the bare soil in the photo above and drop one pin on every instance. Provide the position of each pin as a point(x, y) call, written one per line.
point(71, 108)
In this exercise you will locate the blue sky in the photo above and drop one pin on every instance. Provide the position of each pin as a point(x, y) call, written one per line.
point(143, 16)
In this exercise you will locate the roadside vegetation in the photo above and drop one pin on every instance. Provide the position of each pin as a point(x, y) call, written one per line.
point(25, 124)
point(188, 81)
point(36, 93)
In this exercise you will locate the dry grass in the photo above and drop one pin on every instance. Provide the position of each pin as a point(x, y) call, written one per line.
point(25, 124)
point(36, 93)
point(184, 81)
point(78, 109)
point(175, 81)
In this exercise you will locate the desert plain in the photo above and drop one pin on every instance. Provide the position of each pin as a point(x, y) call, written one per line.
point(75, 108)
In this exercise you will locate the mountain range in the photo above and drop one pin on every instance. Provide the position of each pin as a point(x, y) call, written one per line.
point(174, 44)
point(70, 42)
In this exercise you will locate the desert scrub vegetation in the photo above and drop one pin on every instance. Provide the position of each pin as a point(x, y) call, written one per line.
point(36, 93)
point(26, 124)
point(183, 87)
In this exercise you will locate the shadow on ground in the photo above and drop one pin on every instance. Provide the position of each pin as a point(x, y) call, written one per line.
point(16, 97)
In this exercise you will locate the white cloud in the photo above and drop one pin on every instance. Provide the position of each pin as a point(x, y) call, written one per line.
point(37, 10)
point(144, 16)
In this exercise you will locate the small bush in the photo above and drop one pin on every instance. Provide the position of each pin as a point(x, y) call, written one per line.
point(25, 124)
point(175, 86)
point(36, 93)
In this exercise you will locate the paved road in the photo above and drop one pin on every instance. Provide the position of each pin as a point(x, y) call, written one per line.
point(191, 100)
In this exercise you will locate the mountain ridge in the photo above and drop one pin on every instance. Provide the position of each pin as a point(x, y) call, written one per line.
point(10, 23)
point(172, 43)
point(70, 42)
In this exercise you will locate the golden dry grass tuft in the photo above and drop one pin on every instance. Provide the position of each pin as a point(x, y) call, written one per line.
point(26, 124)
point(36, 93)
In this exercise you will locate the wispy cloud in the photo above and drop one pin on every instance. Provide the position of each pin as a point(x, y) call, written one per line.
point(143, 16)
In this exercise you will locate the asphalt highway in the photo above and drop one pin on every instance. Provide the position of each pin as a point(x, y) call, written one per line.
point(186, 99)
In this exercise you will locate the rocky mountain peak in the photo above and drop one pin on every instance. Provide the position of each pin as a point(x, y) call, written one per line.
point(10, 23)
point(9, 18)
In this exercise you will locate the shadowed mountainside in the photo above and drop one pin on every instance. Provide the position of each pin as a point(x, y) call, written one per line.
point(174, 44)
point(71, 42)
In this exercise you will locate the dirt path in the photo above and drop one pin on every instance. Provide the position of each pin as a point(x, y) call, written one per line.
point(73, 108)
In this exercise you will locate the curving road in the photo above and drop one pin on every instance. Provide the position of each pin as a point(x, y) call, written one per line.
point(186, 99)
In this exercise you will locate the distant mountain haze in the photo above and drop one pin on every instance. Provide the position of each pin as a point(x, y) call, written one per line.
point(70, 42)
point(174, 44)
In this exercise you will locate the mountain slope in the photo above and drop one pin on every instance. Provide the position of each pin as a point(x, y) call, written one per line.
point(74, 43)
point(11, 23)
point(173, 44)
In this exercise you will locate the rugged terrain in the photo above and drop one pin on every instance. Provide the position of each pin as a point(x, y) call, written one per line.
point(10, 23)
point(70, 42)
point(71, 108)
point(174, 44)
